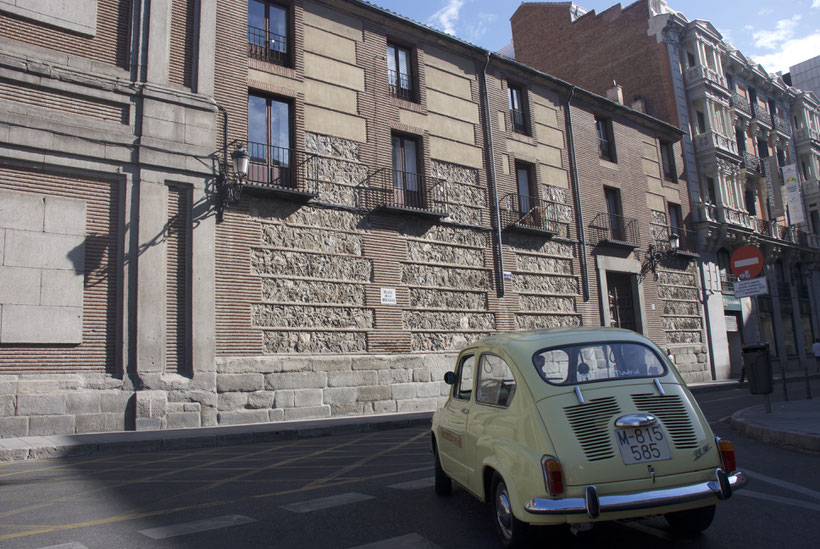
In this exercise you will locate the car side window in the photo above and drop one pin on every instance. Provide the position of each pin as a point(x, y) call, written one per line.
point(496, 384)
point(464, 387)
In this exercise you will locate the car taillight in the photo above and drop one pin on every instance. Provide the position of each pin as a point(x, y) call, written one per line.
point(553, 475)
point(727, 454)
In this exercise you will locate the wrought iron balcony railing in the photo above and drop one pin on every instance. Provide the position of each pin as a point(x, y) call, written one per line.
point(519, 122)
point(407, 192)
point(401, 85)
point(281, 170)
point(713, 140)
point(267, 46)
point(780, 125)
point(740, 103)
point(760, 114)
point(687, 239)
point(615, 229)
point(528, 214)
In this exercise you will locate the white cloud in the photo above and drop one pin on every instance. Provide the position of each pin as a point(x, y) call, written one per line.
point(784, 30)
point(447, 17)
point(816, 4)
point(791, 52)
point(478, 28)
point(769, 11)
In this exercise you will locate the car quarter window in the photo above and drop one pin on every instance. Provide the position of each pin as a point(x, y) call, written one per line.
point(589, 362)
point(496, 384)
point(464, 387)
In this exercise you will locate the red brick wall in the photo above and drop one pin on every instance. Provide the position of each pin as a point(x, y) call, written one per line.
point(180, 69)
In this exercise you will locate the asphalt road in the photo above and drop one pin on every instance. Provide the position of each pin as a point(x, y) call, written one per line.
point(371, 490)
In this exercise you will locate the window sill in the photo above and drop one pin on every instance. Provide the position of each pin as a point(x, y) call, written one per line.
point(522, 137)
point(606, 163)
point(408, 105)
point(273, 68)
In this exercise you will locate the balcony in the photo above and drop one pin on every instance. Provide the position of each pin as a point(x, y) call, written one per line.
point(526, 214)
point(701, 74)
point(267, 46)
point(711, 141)
point(687, 239)
point(811, 188)
point(752, 163)
point(805, 136)
point(740, 103)
point(614, 230)
point(774, 229)
point(401, 85)
point(282, 172)
point(761, 116)
point(519, 122)
point(781, 126)
point(740, 218)
point(406, 193)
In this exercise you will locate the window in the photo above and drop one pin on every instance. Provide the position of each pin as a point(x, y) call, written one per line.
point(525, 186)
point(740, 137)
point(690, 58)
point(675, 219)
point(400, 72)
point(407, 188)
point(750, 202)
point(268, 35)
point(781, 157)
point(269, 141)
point(815, 221)
point(464, 387)
point(723, 269)
point(515, 97)
point(762, 148)
point(606, 140)
point(710, 190)
point(701, 122)
point(586, 363)
point(613, 210)
point(496, 384)
point(668, 159)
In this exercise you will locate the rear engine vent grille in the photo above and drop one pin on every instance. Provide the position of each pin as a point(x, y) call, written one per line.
point(672, 413)
point(592, 424)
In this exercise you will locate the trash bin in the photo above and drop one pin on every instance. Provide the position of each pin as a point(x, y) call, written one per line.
point(758, 368)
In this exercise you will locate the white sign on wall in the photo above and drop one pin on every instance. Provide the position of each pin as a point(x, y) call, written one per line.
point(752, 286)
point(794, 197)
point(388, 296)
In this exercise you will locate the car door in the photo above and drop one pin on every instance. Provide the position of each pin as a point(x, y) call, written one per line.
point(453, 453)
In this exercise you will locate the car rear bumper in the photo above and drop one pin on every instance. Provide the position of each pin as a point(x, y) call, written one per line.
point(594, 505)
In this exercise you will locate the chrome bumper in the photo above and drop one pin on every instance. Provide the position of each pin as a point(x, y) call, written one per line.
point(593, 504)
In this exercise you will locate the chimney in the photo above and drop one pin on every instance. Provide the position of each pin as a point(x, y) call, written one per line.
point(639, 104)
point(615, 93)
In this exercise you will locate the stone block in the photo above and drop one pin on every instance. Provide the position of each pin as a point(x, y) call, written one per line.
point(191, 407)
point(349, 409)
point(417, 405)
point(227, 383)
point(231, 401)
point(40, 405)
point(421, 374)
point(20, 285)
point(40, 324)
point(352, 379)
point(389, 377)
point(284, 399)
point(8, 385)
point(296, 380)
point(307, 397)
point(98, 423)
point(373, 392)
point(64, 215)
point(37, 386)
point(82, 403)
point(61, 288)
point(51, 425)
point(311, 412)
point(148, 424)
point(7, 405)
point(429, 390)
point(150, 404)
point(331, 364)
point(209, 417)
point(261, 399)
point(276, 415)
point(22, 211)
point(203, 398)
point(385, 407)
point(240, 417)
point(11, 427)
point(44, 250)
point(116, 402)
point(340, 395)
point(182, 420)
point(403, 391)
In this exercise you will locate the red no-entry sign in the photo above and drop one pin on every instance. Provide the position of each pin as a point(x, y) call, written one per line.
point(746, 262)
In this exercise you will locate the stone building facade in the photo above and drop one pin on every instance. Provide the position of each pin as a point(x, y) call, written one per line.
point(746, 133)
point(407, 193)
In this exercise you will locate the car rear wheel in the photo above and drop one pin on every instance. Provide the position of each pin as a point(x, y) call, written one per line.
point(692, 521)
point(511, 531)
point(444, 486)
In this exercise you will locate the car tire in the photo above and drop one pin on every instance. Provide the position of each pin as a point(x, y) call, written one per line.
point(444, 485)
point(692, 521)
point(511, 531)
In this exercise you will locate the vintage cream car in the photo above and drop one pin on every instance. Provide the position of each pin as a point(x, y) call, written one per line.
point(578, 425)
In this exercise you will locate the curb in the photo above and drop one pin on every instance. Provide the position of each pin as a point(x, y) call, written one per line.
point(744, 423)
point(43, 447)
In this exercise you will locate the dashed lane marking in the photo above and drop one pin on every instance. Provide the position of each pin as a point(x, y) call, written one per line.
point(410, 541)
point(784, 484)
point(326, 503)
point(69, 545)
point(778, 499)
point(415, 484)
point(195, 526)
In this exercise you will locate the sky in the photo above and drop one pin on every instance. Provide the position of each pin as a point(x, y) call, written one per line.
point(776, 35)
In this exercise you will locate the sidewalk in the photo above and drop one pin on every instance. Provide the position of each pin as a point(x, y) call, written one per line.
point(794, 424)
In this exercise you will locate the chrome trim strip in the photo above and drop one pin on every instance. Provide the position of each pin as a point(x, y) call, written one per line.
point(639, 500)
point(659, 386)
point(579, 395)
point(635, 420)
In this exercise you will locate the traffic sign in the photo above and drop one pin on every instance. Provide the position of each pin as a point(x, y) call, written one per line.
point(746, 262)
point(748, 288)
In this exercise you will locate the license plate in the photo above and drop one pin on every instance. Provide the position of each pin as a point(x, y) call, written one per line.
point(642, 444)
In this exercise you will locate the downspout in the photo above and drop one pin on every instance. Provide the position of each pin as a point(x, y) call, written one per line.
point(576, 194)
point(489, 135)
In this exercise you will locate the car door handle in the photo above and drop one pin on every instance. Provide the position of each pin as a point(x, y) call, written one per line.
point(465, 410)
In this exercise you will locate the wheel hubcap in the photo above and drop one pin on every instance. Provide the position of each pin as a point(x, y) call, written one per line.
point(503, 514)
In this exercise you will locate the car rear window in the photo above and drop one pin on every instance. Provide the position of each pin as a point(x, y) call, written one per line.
point(589, 362)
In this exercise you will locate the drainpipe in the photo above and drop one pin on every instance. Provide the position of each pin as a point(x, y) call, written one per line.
point(576, 194)
point(489, 136)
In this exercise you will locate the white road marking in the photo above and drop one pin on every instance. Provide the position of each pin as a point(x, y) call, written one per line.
point(410, 541)
point(784, 484)
point(195, 526)
point(779, 499)
point(324, 503)
point(70, 545)
point(415, 484)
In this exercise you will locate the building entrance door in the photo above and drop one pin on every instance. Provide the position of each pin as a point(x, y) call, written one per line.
point(621, 301)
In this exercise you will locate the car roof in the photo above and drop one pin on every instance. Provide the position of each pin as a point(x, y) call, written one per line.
point(538, 339)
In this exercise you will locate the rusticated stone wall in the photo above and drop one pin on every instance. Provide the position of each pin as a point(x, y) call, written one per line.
point(333, 166)
point(467, 201)
point(683, 322)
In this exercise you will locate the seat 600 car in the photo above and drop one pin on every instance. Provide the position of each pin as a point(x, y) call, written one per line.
point(578, 425)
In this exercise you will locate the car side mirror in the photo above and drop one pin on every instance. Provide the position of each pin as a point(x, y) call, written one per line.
point(450, 378)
